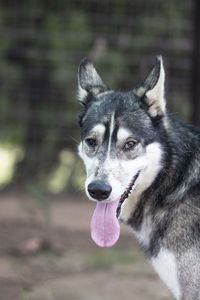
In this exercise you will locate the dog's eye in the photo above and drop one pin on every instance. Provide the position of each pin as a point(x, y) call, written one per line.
point(91, 142)
point(129, 145)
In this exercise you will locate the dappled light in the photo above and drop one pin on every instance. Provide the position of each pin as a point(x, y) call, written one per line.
point(9, 156)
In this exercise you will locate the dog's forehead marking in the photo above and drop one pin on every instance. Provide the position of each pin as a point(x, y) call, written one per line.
point(123, 133)
point(112, 127)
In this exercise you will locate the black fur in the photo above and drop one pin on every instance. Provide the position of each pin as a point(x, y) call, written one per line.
point(172, 201)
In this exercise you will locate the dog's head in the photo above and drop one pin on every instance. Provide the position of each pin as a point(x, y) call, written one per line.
point(120, 136)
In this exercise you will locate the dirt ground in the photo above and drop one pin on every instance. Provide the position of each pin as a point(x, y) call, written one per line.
point(46, 254)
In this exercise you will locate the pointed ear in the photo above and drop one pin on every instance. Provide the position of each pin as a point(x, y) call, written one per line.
point(89, 81)
point(153, 90)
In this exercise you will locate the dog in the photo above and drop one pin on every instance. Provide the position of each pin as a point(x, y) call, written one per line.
point(143, 169)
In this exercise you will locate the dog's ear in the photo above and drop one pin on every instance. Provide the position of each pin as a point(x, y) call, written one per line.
point(89, 81)
point(152, 91)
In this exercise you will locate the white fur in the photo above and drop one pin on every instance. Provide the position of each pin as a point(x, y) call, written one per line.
point(91, 163)
point(120, 172)
point(166, 267)
point(150, 169)
point(143, 235)
point(99, 130)
point(112, 126)
point(123, 134)
point(156, 95)
point(104, 93)
point(82, 94)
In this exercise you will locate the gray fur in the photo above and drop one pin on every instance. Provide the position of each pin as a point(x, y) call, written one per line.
point(171, 204)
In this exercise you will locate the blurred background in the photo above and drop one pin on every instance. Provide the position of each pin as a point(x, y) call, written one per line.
point(45, 249)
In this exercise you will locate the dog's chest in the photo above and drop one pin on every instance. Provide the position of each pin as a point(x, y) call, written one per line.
point(166, 266)
point(164, 263)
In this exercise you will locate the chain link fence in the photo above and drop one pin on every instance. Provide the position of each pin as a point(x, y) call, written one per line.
point(41, 44)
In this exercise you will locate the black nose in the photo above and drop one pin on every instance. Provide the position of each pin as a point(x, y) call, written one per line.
point(99, 190)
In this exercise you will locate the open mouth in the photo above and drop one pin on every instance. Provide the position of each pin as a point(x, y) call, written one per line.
point(105, 228)
point(126, 193)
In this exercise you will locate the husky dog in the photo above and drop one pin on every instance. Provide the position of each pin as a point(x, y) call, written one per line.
point(143, 169)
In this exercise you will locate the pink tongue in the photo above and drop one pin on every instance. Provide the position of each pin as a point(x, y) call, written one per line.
point(105, 229)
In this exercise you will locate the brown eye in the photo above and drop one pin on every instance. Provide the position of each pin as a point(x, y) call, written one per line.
point(91, 142)
point(129, 145)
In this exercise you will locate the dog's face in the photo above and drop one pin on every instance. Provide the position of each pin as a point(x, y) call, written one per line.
point(119, 143)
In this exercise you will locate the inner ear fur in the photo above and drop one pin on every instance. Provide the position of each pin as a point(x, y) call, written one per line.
point(152, 91)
